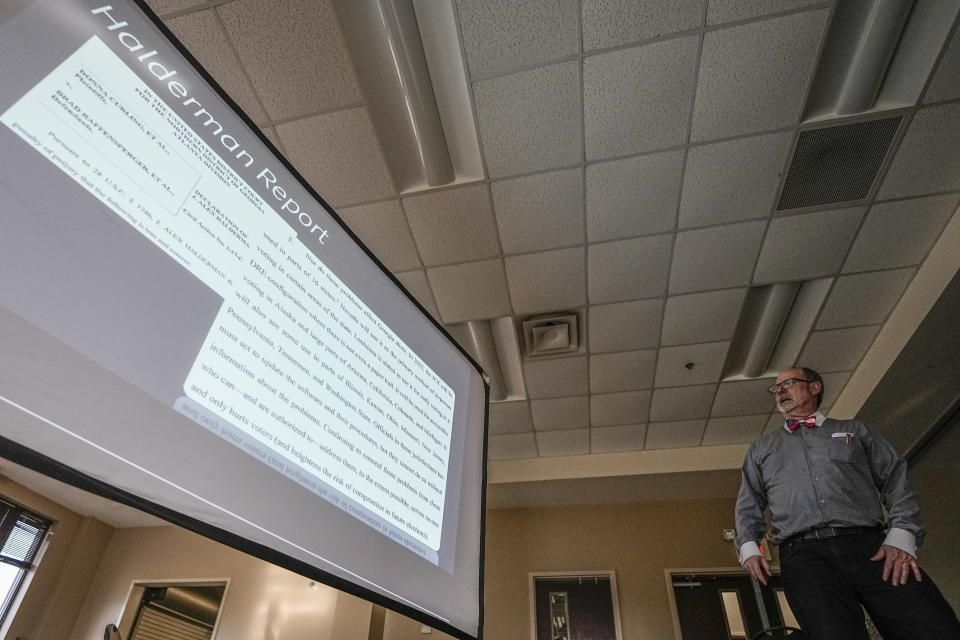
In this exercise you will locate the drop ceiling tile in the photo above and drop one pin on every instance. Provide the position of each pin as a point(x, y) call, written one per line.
point(416, 283)
point(500, 36)
point(730, 10)
point(707, 360)
point(628, 407)
point(470, 291)
point(899, 234)
point(674, 435)
point(454, 225)
point(561, 413)
point(203, 36)
point(296, 60)
point(945, 84)
point(753, 77)
point(625, 437)
point(610, 23)
point(624, 371)
point(161, 7)
point(638, 99)
point(837, 349)
point(271, 134)
point(626, 269)
point(833, 384)
point(383, 228)
point(543, 211)
point(927, 160)
point(734, 430)
point(556, 378)
point(351, 168)
point(632, 197)
point(531, 120)
point(743, 398)
point(572, 442)
point(547, 281)
point(732, 180)
point(774, 421)
point(863, 298)
point(701, 317)
point(715, 257)
point(512, 446)
point(682, 403)
point(625, 326)
point(810, 245)
point(509, 417)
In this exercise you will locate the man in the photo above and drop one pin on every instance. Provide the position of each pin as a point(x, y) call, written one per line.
point(823, 481)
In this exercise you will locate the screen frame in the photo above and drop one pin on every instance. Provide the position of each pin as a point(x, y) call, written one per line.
point(29, 458)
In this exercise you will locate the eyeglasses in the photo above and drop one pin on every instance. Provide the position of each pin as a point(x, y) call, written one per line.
point(786, 384)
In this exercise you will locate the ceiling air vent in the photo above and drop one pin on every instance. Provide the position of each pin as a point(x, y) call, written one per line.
point(837, 164)
point(550, 335)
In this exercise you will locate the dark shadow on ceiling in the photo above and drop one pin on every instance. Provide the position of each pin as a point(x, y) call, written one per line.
point(920, 392)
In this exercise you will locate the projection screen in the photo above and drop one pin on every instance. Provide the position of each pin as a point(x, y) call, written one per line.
point(187, 327)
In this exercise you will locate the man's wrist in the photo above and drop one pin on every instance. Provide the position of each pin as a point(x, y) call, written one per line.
point(748, 550)
point(901, 539)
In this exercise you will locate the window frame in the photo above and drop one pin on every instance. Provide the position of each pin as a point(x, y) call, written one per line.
point(12, 514)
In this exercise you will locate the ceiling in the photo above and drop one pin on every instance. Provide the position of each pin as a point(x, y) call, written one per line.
point(633, 154)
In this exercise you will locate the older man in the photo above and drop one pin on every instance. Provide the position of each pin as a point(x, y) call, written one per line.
point(824, 481)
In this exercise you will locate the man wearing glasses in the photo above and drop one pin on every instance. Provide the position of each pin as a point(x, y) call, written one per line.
point(823, 481)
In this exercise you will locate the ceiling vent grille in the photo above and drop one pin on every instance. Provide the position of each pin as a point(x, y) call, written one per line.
point(551, 335)
point(837, 164)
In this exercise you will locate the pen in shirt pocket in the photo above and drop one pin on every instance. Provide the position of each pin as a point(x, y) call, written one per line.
point(843, 434)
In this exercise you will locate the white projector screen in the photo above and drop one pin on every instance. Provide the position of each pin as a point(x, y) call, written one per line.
point(186, 327)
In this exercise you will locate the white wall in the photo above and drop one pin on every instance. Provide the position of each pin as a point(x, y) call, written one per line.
point(262, 602)
point(637, 540)
point(58, 586)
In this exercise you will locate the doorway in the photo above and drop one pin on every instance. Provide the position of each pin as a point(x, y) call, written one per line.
point(173, 611)
point(574, 606)
point(725, 606)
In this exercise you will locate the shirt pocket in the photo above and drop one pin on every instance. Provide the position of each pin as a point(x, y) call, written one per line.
point(847, 452)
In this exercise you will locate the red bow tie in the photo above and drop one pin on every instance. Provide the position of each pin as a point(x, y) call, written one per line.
point(809, 421)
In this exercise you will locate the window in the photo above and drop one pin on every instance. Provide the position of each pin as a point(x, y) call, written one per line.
point(733, 613)
point(786, 614)
point(21, 533)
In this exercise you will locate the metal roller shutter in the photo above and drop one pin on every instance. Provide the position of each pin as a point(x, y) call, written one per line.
point(157, 624)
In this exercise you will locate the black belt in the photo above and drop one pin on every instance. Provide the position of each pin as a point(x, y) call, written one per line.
point(828, 532)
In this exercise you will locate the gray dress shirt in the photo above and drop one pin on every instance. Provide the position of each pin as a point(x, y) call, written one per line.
point(834, 474)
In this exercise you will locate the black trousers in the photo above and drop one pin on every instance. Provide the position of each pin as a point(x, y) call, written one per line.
point(826, 581)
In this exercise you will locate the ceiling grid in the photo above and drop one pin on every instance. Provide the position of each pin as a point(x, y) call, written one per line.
point(634, 158)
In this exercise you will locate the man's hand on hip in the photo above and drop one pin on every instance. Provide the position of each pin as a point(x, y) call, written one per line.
point(758, 568)
point(897, 564)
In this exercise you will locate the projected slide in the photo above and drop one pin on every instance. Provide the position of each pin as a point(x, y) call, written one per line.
point(191, 327)
point(296, 370)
